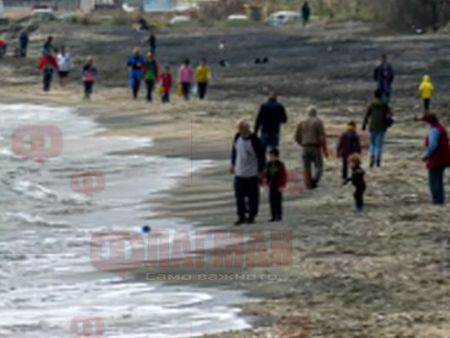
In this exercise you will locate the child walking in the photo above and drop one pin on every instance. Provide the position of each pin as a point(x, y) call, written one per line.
point(89, 73)
point(276, 178)
point(349, 144)
point(357, 180)
point(47, 66)
point(426, 91)
point(166, 83)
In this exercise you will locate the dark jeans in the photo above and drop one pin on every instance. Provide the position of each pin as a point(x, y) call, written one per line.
point(247, 196)
point(88, 89)
point(186, 90)
point(359, 197)
point(344, 168)
point(23, 52)
point(135, 88)
point(202, 88)
point(436, 181)
point(150, 88)
point(312, 161)
point(165, 98)
point(271, 140)
point(386, 91)
point(276, 203)
point(47, 81)
point(426, 105)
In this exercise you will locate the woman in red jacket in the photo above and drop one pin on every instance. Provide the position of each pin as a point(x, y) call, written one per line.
point(48, 65)
point(437, 157)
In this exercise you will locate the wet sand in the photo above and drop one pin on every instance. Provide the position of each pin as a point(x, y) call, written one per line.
point(383, 273)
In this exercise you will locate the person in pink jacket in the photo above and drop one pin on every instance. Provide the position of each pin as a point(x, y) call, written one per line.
point(186, 78)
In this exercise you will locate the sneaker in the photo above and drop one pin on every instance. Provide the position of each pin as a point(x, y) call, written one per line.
point(240, 221)
point(251, 221)
point(372, 162)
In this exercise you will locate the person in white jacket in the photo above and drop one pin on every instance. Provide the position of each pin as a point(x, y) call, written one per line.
point(65, 65)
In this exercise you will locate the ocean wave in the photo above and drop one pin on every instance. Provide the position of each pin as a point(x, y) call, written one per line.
point(29, 219)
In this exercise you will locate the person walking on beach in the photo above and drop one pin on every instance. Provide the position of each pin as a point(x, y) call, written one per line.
point(152, 43)
point(166, 83)
point(349, 144)
point(276, 177)
point(310, 135)
point(357, 180)
point(271, 116)
point(23, 44)
point(383, 75)
point(3, 48)
point(48, 48)
point(47, 66)
point(436, 157)
point(135, 66)
point(378, 116)
point(306, 13)
point(426, 92)
point(186, 78)
point(65, 65)
point(151, 71)
point(89, 74)
point(247, 165)
point(203, 75)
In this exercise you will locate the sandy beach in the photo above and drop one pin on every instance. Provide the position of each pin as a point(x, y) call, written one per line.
point(383, 273)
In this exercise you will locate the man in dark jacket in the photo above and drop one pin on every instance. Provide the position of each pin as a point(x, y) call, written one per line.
point(247, 165)
point(349, 144)
point(383, 75)
point(270, 117)
point(376, 116)
point(306, 13)
point(437, 157)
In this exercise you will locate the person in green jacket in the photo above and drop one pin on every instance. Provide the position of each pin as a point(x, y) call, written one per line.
point(151, 75)
point(377, 116)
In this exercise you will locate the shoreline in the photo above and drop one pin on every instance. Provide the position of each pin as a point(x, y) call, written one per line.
point(379, 274)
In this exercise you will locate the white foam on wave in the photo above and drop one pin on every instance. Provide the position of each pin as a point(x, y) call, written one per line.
point(50, 278)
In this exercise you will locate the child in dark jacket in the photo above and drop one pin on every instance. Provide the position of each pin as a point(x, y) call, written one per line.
point(276, 177)
point(357, 180)
point(349, 144)
point(89, 74)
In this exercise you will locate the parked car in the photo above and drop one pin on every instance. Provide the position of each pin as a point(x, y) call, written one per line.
point(43, 14)
point(177, 19)
point(283, 17)
point(237, 17)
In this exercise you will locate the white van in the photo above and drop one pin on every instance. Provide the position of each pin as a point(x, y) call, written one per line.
point(283, 18)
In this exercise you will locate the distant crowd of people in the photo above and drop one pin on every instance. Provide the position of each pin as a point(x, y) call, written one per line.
point(141, 70)
point(255, 155)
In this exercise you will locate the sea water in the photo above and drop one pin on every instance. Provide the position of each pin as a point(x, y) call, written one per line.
point(48, 284)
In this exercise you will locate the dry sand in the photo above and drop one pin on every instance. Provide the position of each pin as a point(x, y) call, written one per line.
point(383, 273)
